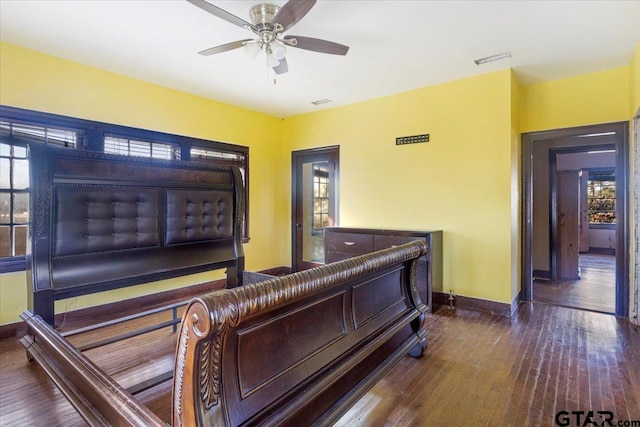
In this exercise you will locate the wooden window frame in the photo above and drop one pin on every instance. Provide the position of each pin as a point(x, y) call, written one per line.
point(91, 136)
point(12, 191)
point(314, 230)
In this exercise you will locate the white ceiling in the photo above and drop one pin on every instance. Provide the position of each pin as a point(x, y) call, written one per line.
point(395, 45)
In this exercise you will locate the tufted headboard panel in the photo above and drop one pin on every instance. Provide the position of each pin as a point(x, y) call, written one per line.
point(92, 219)
point(102, 222)
point(194, 216)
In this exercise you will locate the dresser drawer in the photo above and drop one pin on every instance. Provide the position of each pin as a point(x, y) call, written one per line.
point(343, 243)
point(352, 243)
point(384, 242)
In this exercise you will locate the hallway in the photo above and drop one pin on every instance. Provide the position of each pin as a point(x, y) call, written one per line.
point(594, 291)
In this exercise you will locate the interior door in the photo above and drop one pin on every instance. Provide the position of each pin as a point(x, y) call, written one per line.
point(568, 235)
point(314, 203)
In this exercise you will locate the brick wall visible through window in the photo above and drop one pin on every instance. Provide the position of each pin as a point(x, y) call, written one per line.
point(601, 197)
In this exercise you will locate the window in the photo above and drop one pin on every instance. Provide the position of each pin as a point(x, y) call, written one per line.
point(19, 128)
point(601, 196)
point(221, 157)
point(230, 158)
point(14, 184)
point(132, 147)
point(320, 199)
point(14, 200)
point(58, 137)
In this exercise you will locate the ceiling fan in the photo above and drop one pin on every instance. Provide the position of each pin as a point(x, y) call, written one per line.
point(269, 22)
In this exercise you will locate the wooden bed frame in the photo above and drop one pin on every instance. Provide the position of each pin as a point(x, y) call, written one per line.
point(291, 350)
point(294, 350)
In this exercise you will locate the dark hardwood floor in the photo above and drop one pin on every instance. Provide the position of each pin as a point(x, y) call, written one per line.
point(595, 290)
point(479, 370)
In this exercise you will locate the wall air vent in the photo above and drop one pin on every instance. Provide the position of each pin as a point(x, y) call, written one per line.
point(414, 139)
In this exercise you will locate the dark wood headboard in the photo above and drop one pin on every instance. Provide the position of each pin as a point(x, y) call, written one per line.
point(102, 222)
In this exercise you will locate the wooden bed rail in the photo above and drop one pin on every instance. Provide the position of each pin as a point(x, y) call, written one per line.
point(350, 310)
point(289, 351)
point(99, 400)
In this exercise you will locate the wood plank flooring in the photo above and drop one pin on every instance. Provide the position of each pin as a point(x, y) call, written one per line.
point(479, 370)
point(595, 290)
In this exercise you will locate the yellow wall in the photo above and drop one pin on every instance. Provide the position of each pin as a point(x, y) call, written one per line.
point(576, 101)
point(634, 82)
point(458, 182)
point(44, 83)
point(465, 181)
point(13, 296)
point(516, 185)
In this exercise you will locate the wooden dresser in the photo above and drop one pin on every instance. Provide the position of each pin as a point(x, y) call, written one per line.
point(342, 243)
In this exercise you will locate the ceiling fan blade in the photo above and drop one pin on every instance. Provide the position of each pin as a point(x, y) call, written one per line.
point(317, 45)
point(292, 12)
point(282, 67)
point(220, 13)
point(224, 47)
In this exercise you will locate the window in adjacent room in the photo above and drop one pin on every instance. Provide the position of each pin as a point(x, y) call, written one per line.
point(601, 195)
point(320, 200)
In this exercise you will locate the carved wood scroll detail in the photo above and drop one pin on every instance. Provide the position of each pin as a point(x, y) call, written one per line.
point(224, 314)
point(208, 318)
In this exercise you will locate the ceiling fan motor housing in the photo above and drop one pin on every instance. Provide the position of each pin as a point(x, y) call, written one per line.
point(262, 15)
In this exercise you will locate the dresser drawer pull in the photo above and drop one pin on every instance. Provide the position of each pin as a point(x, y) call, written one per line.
point(349, 243)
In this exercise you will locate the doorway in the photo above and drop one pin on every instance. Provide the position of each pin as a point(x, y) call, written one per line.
point(558, 223)
point(314, 203)
point(583, 221)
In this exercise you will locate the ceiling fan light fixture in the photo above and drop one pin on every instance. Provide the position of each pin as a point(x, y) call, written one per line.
point(279, 50)
point(252, 49)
